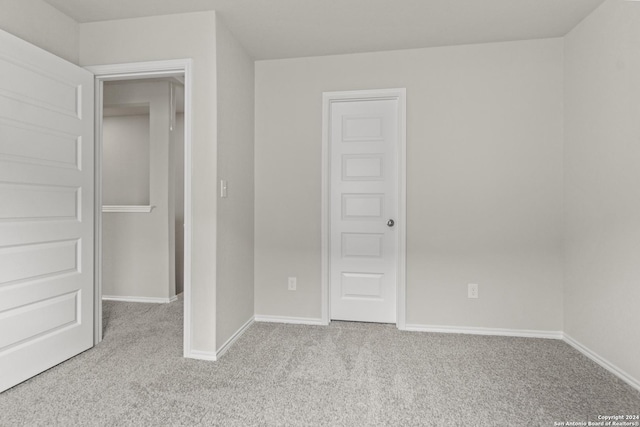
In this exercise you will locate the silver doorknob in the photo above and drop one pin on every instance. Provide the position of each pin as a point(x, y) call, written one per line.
point(391, 223)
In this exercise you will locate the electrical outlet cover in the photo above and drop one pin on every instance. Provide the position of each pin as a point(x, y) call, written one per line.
point(472, 290)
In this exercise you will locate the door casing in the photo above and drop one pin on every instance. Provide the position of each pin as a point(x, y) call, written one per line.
point(132, 71)
point(328, 98)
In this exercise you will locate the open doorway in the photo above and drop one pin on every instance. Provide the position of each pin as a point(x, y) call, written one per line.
point(143, 186)
point(143, 190)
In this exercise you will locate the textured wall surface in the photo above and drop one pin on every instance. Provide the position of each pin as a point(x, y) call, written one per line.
point(235, 165)
point(42, 25)
point(484, 180)
point(602, 196)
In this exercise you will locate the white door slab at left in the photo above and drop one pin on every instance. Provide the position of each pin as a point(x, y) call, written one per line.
point(46, 210)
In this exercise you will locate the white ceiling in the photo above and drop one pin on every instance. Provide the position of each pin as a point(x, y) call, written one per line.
point(271, 29)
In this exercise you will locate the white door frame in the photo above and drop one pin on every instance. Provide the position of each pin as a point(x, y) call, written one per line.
point(132, 71)
point(365, 95)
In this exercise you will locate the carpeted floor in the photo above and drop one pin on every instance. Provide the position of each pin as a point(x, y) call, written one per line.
point(346, 374)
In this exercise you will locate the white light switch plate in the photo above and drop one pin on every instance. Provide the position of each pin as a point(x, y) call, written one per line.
point(223, 188)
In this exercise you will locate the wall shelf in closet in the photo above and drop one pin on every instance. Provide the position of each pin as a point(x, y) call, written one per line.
point(127, 209)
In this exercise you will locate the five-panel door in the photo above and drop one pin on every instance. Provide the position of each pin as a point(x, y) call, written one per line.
point(363, 198)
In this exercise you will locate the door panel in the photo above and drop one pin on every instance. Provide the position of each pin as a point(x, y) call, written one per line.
point(364, 184)
point(46, 210)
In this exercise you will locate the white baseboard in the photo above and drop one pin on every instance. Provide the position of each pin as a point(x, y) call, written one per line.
point(201, 355)
point(154, 300)
point(290, 320)
point(524, 333)
point(234, 337)
point(633, 382)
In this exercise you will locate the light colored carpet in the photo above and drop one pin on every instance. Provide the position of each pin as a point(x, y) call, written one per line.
point(347, 374)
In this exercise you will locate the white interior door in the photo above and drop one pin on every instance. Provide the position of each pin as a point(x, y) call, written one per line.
point(46, 210)
point(364, 208)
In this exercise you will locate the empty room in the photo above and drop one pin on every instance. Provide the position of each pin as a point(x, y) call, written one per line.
point(311, 213)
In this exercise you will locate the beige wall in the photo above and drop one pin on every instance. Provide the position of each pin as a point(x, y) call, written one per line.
point(484, 143)
point(602, 176)
point(125, 159)
point(190, 35)
point(138, 257)
point(42, 25)
point(235, 165)
point(177, 141)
